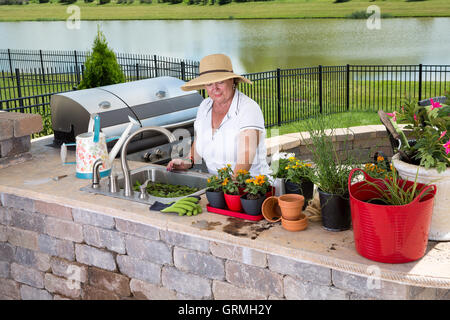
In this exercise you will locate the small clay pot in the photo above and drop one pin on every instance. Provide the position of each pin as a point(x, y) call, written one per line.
point(305, 188)
point(295, 225)
point(291, 205)
point(271, 210)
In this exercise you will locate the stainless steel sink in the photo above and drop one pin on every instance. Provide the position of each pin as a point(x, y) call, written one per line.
point(156, 174)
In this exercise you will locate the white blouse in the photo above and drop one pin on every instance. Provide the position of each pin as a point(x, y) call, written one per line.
point(220, 148)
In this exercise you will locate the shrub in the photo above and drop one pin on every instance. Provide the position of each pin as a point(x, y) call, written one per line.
point(101, 67)
point(222, 2)
point(103, 1)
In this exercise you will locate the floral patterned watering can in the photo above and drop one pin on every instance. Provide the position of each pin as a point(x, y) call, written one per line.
point(91, 146)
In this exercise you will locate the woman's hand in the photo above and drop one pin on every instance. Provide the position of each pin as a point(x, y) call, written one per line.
point(179, 164)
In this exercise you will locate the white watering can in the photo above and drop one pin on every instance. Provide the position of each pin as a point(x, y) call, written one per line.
point(91, 146)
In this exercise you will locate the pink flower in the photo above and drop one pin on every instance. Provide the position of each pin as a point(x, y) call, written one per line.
point(442, 135)
point(435, 105)
point(447, 147)
point(393, 115)
point(415, 117)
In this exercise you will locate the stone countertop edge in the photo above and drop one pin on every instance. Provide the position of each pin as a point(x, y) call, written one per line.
point(347, 260)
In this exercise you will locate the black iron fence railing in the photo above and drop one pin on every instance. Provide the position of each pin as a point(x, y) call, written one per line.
point(28, 78)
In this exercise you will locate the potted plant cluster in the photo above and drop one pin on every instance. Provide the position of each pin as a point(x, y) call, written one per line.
point(255, 190)
point(429, 128)
point(390, 217)
point(298, 179)
point(330, 174)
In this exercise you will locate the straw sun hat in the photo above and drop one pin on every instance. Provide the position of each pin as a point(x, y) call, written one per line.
point(213, 68)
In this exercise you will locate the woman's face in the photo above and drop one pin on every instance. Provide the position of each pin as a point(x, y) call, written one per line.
point(221, 92)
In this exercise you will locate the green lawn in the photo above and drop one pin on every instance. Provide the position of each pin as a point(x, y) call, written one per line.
point(339, 120)
point(248, 10)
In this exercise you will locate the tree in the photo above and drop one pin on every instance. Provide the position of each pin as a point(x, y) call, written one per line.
point(101, 67)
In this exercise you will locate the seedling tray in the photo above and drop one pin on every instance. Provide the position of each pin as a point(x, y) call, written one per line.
point(236, 214)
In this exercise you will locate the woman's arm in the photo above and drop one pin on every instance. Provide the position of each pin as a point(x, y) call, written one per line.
point(248, 143)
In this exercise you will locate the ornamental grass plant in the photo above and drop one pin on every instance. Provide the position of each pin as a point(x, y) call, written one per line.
point(395, 191)
point(331, 168)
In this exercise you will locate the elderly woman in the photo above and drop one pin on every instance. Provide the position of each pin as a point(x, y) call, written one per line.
point(229, 127)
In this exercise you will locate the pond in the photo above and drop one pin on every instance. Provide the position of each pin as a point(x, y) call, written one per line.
point(253, 45)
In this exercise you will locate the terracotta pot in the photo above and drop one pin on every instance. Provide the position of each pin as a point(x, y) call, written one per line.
point(440, 219)
point(295, 225)
point(216, 199)
point(233, 202)
point(291, 205)
point(253, 206)
point(271, 210)
point(305, 188)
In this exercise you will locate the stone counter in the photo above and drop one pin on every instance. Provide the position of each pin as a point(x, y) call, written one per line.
point(57, 242)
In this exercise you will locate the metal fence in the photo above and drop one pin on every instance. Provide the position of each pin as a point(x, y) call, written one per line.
point(28, 79)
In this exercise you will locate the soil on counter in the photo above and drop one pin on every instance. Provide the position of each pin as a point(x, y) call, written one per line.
point(243, 228)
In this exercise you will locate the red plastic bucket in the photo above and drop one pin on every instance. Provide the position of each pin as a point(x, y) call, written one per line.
point(387, 233)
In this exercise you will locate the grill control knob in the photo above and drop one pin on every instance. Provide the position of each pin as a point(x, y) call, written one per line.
point(104, 105)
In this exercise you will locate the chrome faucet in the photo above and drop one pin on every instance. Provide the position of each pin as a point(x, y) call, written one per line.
point(96, 173)
point(128, 191)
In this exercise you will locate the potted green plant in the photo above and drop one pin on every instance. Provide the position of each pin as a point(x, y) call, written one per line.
point(214, 192)
point(298, 179)
point(278, 166)
point(256, 189)
point(241, 176)
point(391, 217)
point(330, 175)
point(429, 128)
point(231, 194)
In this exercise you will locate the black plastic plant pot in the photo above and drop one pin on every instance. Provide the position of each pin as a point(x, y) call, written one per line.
point(336, 214)
point(216, 199)
point(252, 207)
point(306, 189)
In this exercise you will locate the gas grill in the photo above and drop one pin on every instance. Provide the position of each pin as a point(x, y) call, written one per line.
point(152, 102)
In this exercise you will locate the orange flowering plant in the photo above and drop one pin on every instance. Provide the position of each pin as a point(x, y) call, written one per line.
point(214, 183)
point(225, 172)
point(230, 186)
point(298, 170)
point(382, 169)
point(258, 185)
point(241, 176)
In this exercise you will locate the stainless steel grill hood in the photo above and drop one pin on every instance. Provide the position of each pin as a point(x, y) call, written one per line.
point(153, 102)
